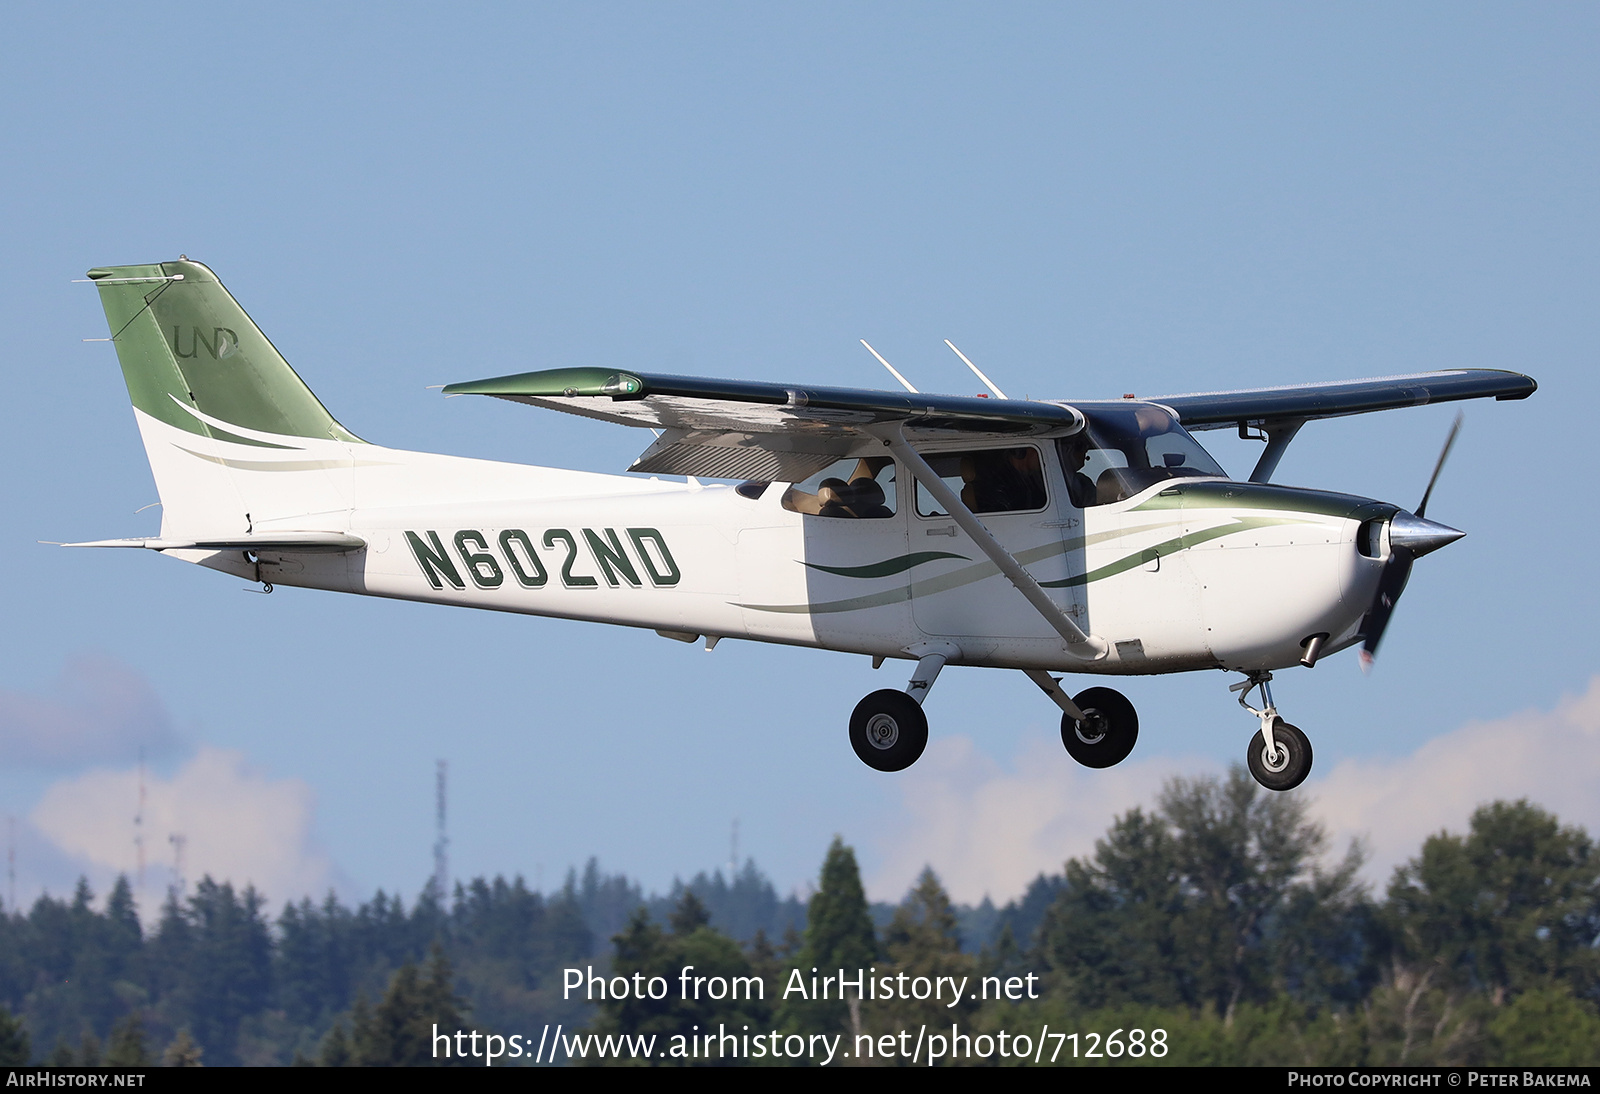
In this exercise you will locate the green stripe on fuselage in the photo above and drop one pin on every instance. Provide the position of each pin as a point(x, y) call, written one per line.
point(968, 575)
point(888, 567)
point(1251, 495)
point(1167, 548)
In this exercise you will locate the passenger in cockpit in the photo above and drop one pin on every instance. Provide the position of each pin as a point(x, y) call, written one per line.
point(1074, 454)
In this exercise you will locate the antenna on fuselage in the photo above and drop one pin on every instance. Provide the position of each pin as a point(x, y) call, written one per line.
point(988, 383)
point(892, 370)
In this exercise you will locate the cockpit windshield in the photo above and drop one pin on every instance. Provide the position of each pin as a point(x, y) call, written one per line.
point(1123, 450)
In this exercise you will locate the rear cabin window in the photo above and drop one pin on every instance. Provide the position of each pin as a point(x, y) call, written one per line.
point(857, 489)
point(996, 480)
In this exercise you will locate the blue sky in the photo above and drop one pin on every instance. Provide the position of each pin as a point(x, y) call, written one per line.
point(1089, 200)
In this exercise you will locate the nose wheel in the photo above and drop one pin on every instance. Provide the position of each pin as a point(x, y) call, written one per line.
point(1280, 754)
point(1286, 764)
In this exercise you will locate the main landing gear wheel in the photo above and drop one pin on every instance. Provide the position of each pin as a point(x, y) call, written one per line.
point(1108, 733)
point(1289, 766)
point(888, 730)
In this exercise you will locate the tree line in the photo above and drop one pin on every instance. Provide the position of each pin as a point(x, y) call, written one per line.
point(1214, 916)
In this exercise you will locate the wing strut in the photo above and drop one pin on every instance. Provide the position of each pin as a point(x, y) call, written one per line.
point(1087, 647)
point(1279, 431)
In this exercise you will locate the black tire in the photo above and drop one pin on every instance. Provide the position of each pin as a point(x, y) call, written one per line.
point(1109, 734)
point(1290, 767)
point(888, 730)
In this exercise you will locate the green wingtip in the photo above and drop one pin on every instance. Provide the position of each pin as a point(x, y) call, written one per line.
point(555, 383)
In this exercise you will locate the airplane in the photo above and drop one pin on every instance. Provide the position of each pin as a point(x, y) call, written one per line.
point(1090, 537)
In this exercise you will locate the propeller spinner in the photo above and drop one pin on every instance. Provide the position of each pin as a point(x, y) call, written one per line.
point(1411, 535)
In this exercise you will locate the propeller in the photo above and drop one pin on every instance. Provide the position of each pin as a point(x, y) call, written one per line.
point(1411, 535)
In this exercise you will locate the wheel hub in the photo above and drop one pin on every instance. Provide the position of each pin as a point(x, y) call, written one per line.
point(882, 731)
point(1092, 730)
point(1275, 761)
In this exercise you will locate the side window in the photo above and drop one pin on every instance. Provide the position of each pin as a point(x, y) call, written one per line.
point(997, 480)
point(1094, 475)
point(860, 489)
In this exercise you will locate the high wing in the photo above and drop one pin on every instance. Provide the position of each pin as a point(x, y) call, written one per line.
point(778, 432)
point(1216, 409)
point(733, 429)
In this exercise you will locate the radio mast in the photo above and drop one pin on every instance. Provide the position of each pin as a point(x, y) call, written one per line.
point(138, 828)
point(441, 854)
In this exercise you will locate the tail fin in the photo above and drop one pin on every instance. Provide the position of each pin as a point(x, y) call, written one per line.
point(196, 364)
point(184, 340)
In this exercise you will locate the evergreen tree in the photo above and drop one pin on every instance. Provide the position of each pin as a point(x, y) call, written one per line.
point(216, 955)
point(183, 1052)
point(398, 1032)
point(363, 1032)
point(839, 935)
point(315, 962)
point(440, 1005)
point(14, 1048)
point(643, 948)
point(127, 1047)
point(1112, 935)
point(335, 1048)
point(395, 1036)
point(922, 941)
point(690, 914)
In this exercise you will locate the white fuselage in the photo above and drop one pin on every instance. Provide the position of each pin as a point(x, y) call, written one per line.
point(1183, 575)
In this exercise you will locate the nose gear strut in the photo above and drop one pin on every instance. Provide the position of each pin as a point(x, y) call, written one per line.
point(1279, 755)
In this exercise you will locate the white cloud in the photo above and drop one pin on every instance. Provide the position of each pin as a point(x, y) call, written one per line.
point(1551, 758)
point(990, 829)
point(238, 825)
point(101, 711)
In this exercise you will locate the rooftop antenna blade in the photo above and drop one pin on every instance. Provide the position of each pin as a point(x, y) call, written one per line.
point(988, 383)
point(892, 370)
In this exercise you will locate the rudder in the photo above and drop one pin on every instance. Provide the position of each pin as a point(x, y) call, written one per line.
point(195, 362)
point(181, 338)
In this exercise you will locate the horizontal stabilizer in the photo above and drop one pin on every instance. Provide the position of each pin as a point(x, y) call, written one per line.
point(287, 542)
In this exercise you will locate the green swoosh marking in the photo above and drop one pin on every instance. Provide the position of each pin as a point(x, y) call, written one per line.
point(888, 567)
point(1166, 547)
point(285, 465)
point(1244, 495)
point(966, 575)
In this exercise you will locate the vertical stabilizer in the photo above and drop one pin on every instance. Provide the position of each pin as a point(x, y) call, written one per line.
point(233, 435)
